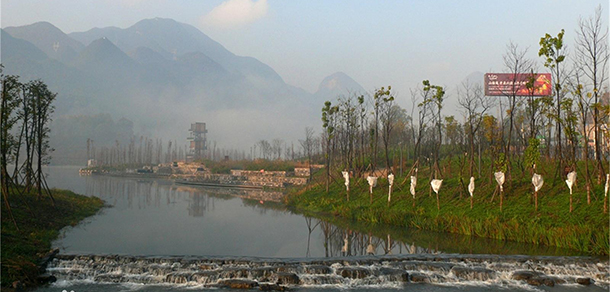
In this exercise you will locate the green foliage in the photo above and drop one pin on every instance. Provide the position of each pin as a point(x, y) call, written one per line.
point(532, 152)
point(550, 48)
point(39, 223)
point(584, 230)
point(501, 163)
point(328, 117)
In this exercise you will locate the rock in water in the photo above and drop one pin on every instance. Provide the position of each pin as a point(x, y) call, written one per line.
point(238, 284)
point(287, 279)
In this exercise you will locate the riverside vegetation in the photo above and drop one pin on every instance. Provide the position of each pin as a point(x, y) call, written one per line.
point(532, 136)
point(584, 229)
point(38, 223)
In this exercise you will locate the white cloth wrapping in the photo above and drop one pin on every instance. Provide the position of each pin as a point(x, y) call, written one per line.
point(436, 185)
point(537, 181)
point(500, 179)
point(372, 182)
point(346, 177)
point(571, 180)
point(413, 185)
point(390, 182)
point(471, 186)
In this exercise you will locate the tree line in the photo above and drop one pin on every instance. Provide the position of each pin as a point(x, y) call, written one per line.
point(25, 114)
point(369, 133)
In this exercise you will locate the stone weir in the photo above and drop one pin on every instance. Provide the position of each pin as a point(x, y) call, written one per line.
point(369, 271)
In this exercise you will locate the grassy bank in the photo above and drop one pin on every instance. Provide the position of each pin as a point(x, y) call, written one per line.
point(585, 229)
point(38, 223)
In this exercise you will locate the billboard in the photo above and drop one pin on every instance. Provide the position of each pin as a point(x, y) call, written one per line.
point(503, 84)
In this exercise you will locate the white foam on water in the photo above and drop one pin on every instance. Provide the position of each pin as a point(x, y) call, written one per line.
point(134, 273)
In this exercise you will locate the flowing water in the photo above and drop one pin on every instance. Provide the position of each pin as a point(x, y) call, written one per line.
point(159, 236)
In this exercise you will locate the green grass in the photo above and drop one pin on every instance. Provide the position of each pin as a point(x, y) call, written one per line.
point(585, 229)
point(39, 223)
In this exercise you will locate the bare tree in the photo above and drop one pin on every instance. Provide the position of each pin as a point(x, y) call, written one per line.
point(517, 65)
point(592, 57)
point(474, 104)
point(308, 146)
point(387, 119)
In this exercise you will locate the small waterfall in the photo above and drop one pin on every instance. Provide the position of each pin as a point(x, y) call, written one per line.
point(365, 271)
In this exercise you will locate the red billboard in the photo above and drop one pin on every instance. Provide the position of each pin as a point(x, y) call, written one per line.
point(504, 84)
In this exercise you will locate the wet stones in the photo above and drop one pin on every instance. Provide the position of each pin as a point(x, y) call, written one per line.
point(45, 279)
point(205, 277)
point(542, 280)
point(396, 275)
point(271, 287)
point(427, 266)
point(286, 278)
point(524, 275)
point(584, 281)
point(177, 278)
point(353, 272)
point(109, 278)
point(317, 269)
point(536, 278)
point(419, 278)
point(480, 274)
point(238, 284)
point(262, 273)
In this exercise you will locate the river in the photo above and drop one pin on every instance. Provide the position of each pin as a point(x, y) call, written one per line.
point(156, 235)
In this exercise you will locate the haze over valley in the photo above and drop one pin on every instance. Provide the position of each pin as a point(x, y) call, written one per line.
point(155, 78)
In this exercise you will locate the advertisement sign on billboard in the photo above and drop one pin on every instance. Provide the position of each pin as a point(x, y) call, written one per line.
point(503, 84)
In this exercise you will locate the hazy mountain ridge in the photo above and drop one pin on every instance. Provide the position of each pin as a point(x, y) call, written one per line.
point(162, 75)
point(49, 39)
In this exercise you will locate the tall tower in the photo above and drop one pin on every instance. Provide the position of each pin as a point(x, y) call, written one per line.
point(198, 141)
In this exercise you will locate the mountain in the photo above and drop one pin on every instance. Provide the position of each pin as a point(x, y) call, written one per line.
point(335, 85)
point(49, 39)
point(18, 49)
point(162, 75)
point(171, 39)
point(145, 55)
point(102, 53)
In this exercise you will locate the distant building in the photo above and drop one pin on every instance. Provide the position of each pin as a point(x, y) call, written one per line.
point(198, 141)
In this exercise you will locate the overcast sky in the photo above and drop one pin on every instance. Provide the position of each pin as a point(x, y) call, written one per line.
point(377, 43)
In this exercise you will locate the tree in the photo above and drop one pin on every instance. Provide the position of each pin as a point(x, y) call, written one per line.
point(592, 58)
point(533, 108)
point(277, 148)
point(10, 101)
point(387, 119)
point(553, 50)
point(308, 146)
point(583, 102)
point(436, 100)
point(474, 104)
point(347, 128)
point(362, 118)
point(516, 64)
point(423, 114)
point(43, 109)
point(329, 118)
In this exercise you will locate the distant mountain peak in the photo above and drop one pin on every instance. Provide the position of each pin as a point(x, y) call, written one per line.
point(49, 39)
point(102, 50)
point(338, 83)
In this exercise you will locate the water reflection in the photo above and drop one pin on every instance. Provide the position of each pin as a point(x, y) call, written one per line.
point(347, 242)
point(156, 217)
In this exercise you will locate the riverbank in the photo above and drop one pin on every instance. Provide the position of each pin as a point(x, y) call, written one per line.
point(584, 229)
point(38, 223)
